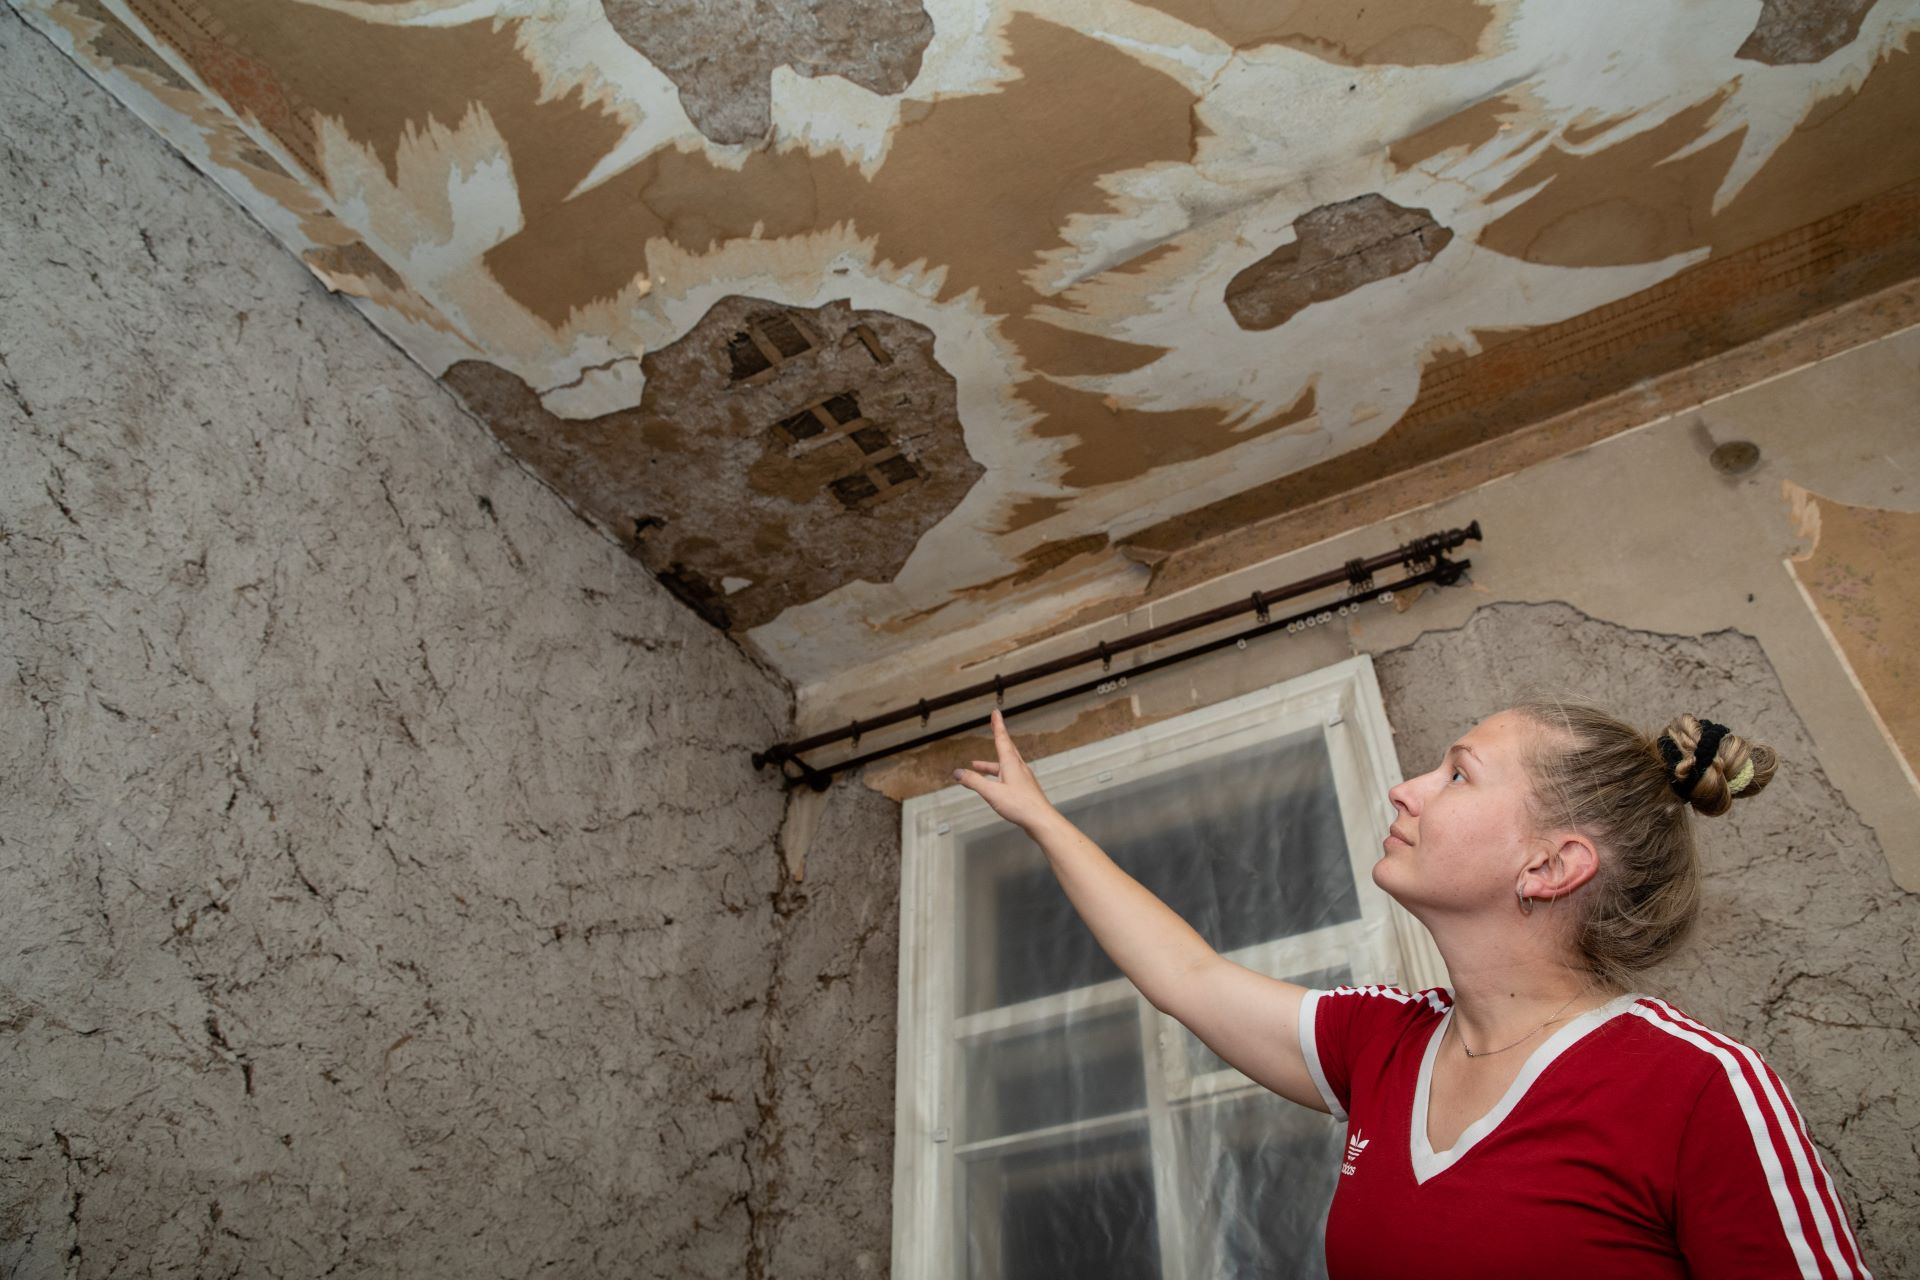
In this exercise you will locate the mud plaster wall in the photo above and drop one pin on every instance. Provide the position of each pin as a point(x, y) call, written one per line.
point(383, 884)
point(829, 1159)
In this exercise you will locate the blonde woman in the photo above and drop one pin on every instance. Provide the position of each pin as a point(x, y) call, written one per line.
point(1537, 1117)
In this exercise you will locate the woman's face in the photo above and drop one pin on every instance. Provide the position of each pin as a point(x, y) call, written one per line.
point(1461, 831)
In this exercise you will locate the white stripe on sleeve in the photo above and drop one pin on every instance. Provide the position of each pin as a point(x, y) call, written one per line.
point(1310, 1050)
point(1757, 1129)
point(1791, 1128)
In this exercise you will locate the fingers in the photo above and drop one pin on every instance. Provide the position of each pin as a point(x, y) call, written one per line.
point(1002, 740)
point(988, 767)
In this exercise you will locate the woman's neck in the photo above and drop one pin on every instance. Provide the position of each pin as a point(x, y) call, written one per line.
point(1504, 988)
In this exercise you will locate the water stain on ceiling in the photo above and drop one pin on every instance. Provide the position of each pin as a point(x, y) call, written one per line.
point(873, 325)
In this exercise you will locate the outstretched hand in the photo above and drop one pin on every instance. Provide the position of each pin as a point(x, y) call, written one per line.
point(1007, 785)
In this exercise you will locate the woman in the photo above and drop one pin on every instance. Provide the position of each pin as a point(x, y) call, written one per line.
point(1536, 1117)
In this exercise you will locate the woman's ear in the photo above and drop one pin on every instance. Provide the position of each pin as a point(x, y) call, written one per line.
point(1564, 862)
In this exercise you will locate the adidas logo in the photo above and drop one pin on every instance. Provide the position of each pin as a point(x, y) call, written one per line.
point(1355, 1146)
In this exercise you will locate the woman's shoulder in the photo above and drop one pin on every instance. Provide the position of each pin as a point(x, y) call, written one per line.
point(1379, 1007)
point(1435, 1000)
point(1675, 1040)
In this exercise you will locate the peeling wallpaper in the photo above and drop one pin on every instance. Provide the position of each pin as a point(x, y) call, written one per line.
point(1164, 269)
point(1855, 578)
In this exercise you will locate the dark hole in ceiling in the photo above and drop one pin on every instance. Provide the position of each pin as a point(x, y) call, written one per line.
point(785, 335)
point(854, 489)
point(898, 469)
point(747, 357)
point(844, 407)
point(803, 425)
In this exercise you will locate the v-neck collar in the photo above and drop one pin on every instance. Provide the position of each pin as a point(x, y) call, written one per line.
point(1426, 1161)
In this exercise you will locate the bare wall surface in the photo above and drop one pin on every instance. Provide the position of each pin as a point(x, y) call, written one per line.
point(828, 1161)
point(1805, 945)
point(383, 883)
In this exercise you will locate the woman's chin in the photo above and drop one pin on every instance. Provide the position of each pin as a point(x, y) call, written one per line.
point(1386, 872)
point(1394, 878)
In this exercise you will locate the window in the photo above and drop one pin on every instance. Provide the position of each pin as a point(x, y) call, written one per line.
point(1051, 1123)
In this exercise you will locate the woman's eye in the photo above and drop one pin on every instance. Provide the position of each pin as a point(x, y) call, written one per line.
point(1457, 774)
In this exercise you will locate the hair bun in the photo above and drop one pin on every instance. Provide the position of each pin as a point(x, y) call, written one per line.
point(1708, 765)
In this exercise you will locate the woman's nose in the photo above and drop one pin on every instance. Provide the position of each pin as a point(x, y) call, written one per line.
point(1400, 796)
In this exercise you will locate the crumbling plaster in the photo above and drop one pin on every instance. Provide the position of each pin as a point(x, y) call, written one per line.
point(383, 884)
point(734, 483)
point(1854, 575)
point(1640, 530)
point(730, 99)
point(540, 199)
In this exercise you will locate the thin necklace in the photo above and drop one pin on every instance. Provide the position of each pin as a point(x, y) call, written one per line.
point(1487, 1053)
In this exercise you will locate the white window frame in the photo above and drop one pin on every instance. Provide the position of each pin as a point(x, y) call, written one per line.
point(1344, 701)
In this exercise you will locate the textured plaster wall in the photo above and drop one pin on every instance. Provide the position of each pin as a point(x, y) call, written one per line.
point(384, 887)
point(1805, 944)
point(829, 1088)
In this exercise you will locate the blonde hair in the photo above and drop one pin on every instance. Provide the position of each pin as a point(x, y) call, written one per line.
point(1606, 779)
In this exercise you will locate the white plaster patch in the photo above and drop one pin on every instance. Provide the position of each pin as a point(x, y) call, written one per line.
point(831, 114)
point(602, 389)
point(827, 114)
point(432, 13)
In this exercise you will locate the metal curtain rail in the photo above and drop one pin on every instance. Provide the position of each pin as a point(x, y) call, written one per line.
point(1429, 551)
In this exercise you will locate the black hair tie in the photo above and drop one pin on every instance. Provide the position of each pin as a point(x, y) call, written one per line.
point(1703, 753)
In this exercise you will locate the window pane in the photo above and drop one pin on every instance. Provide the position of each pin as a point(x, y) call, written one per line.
point(1079, 1210)
point(1258, 1178)
point(1025, 1080)
point(1246, 848)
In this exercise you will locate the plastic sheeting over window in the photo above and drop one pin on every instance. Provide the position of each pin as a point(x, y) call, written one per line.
point(1096, 1138)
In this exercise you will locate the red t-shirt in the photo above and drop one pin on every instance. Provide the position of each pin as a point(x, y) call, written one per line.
point(1634, 1143)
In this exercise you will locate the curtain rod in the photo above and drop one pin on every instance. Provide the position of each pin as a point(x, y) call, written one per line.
point(1357, 574)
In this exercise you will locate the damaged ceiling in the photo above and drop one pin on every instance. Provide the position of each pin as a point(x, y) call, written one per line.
point(873, 326)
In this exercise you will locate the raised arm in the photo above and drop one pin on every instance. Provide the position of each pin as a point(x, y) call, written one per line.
point(1249, 1019)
